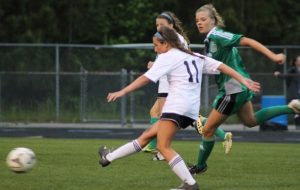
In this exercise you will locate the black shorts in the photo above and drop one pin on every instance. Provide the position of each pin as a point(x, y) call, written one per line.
point(162, 95)
point(181, 120)
point(226, 103)
point(232, 103)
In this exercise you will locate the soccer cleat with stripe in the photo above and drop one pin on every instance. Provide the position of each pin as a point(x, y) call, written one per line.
point(295, 105)
point(186, 186)
point(194, 169)
point(103, 151)
point(227, 144)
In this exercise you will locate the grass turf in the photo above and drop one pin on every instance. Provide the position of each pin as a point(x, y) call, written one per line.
point(72, 164)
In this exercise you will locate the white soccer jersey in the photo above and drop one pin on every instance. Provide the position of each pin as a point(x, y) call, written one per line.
point(163, 86)
point(184, 74)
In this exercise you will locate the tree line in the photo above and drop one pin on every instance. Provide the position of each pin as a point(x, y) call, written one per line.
point(272, 22)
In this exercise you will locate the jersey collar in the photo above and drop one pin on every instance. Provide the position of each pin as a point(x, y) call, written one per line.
point(209, 33)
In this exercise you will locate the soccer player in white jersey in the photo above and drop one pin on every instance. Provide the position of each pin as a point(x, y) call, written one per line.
point(170, 20)
point(184, 71)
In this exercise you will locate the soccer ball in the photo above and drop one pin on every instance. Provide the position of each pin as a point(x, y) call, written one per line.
point(21, 159)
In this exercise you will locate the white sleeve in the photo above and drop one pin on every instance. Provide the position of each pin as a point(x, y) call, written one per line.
point(211, 66)
point(161, 67)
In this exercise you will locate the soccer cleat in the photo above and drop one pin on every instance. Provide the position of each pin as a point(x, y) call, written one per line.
point(194, 169)
point(103, 151)
point(295, 105)
point(227, 144)
point(186, 186)
point(199, 125)
point(158, 157)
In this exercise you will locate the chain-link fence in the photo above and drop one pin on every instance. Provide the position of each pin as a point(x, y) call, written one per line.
point(67, 83)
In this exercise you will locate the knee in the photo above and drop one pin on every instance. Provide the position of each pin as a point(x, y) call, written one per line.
point(161, 147)
point(208, 132)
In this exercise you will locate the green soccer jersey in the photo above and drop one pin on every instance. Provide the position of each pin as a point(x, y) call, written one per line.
point(222, 47)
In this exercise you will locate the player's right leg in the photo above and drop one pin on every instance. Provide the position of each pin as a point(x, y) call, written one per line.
point(251, 119)
point(108, 155)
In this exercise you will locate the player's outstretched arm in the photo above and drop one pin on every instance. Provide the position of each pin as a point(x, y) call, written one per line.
point(252, 85)
point(138, 83)
point(277, 58)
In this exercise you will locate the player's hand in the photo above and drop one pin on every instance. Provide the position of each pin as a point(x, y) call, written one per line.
point(114, 95)
point(149, 65)
point(279, 58)
point(252, 85)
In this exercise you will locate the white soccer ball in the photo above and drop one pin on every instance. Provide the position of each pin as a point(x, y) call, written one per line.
point(21, 159)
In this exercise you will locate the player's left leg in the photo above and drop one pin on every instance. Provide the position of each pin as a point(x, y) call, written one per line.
point(165, 134)
point(208, 140)
point(220, 133)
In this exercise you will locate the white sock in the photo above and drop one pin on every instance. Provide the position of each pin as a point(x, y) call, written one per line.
point(179, 168)
point(125, 150)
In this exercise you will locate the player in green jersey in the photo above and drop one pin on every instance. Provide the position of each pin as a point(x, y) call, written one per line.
point(232, 97)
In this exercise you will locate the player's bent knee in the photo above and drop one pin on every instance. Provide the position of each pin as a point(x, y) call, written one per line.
point(208, 133)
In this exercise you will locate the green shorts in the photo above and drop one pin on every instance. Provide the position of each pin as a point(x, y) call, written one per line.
point(231, 103)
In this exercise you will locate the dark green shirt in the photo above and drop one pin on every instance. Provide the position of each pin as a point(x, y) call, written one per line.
point(222, 47)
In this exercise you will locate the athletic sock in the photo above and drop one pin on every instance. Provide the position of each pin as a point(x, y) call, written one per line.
point(206, 146)
point(153, 120)
point(220, 133)
point(125, 150)
point(270, 112)
point(179, 168)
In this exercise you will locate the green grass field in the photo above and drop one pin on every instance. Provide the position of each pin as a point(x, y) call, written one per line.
point(72, 164)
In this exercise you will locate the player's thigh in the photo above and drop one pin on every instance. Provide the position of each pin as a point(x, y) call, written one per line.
point(166, 132)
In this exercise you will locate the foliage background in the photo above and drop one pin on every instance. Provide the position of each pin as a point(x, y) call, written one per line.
point(271, 22)
point(132, 21)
